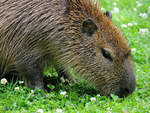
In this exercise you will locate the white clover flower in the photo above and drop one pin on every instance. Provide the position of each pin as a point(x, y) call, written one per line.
point(59, 110)
point(143, 31)
point(32, 91)
point(114, 3)
point(40, 111)
point(134, 9)
point(3, 81)
point(93, 99)
point(138, 70)
point(139, 4)
point(21, 82)
point(108, 111)
point(115, 10)
point(109, 108)
point(148, 10)
point(102, 9)
point(62, 80)
point(49, 74)
point(133, 49)
point(16, 88)
point(135, 23)
point(63, 93)
point(123, 26)
point(98, 95)
point(130, 24)
point(143, 15)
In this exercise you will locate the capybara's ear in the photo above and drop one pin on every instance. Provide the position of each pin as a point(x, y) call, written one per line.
point(89, 27)
point(108, 14)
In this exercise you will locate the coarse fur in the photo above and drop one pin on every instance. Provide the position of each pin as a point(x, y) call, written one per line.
point(66, 34)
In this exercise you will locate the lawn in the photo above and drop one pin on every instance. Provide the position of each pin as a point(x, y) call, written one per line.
point(133, 18)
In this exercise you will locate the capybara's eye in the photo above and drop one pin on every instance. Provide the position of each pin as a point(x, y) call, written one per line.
point(106, 54)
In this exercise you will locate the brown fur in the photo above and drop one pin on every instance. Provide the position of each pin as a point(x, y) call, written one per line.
point(39, 33)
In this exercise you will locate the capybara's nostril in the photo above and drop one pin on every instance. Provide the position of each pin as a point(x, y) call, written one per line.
point(124, 92)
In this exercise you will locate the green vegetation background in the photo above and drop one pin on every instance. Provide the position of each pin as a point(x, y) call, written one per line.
point(80, 98)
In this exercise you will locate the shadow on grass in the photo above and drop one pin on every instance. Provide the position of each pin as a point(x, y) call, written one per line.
point(80, 87)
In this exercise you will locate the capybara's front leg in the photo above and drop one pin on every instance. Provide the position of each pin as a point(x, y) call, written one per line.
point(32, 74)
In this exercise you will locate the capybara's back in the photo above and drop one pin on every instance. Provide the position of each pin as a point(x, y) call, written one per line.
point(66, 34)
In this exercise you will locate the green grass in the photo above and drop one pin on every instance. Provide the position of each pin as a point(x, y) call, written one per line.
point(78, 96)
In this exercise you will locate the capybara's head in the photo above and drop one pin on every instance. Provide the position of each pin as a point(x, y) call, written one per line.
point(97, 50)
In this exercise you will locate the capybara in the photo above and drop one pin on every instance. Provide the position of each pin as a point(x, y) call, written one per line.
point(66, 34)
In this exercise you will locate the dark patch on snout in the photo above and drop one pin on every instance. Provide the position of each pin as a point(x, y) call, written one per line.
point(127, 86)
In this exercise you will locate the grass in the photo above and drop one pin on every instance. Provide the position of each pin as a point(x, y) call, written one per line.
point(80, 98)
